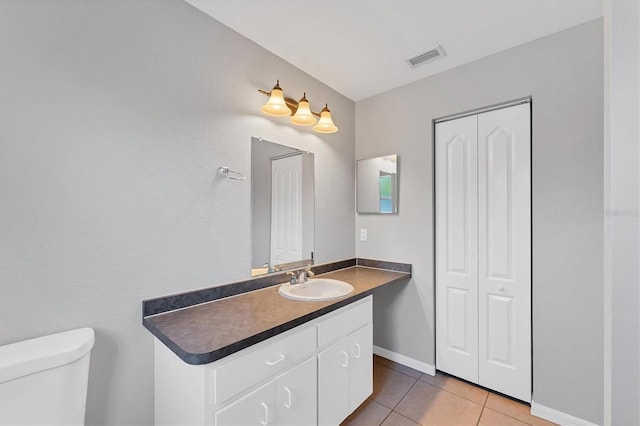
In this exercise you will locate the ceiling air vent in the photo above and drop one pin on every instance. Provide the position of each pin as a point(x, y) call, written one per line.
point(423, 57)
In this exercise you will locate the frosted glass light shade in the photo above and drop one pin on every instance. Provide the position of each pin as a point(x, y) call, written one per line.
point(276, 106)
point(303, 115)
point(325, 124)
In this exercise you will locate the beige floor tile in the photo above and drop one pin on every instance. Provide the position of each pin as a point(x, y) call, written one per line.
point(436, 380)
point(395, 419)
point(370, 413)
point(397, 366)
point(389, 386)
point(430, 405)
point(514, 409)
point(493, 418)
point(459, 387)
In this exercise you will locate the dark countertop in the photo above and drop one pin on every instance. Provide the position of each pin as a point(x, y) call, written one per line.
point(209, 331)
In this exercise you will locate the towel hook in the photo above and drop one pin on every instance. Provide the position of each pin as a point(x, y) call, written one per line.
point(231, 174)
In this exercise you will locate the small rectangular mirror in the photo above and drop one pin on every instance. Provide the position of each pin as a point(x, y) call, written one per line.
point(377, 185)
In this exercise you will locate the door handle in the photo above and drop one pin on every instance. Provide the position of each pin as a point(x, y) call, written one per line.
point(265, 422)
point(277, 361)
point(500, 287)
point(288, 403)
point(345, 355)
point(359, 351)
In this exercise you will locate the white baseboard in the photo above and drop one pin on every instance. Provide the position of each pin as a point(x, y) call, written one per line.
point(429, 369)
point(556, 416)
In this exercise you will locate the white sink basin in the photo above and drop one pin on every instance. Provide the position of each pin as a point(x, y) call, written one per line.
point(316, 289)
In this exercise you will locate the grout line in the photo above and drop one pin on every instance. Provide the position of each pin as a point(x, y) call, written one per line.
point(381, 403)
point(401, 415)
point(405, 394)
point(486, 398)
point(511, 417)
point(385, 417)
point(458, 395)
point(480, 416)
point(397, 371)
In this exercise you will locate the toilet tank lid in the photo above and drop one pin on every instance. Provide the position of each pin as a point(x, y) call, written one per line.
point(43, 353)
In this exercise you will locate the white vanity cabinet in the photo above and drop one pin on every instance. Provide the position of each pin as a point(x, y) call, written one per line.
point(345, 368)
point(295, 378)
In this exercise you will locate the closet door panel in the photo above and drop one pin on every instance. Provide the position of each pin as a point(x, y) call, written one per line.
point(456, 248)
point(504, 241)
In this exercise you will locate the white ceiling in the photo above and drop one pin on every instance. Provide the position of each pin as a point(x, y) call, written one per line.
point(360, 47)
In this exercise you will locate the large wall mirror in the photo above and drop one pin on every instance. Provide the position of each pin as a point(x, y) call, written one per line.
point(282, 207)
point(377, 185)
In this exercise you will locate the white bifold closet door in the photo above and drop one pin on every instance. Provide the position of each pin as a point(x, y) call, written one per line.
point(483, 249)
point(457, 247)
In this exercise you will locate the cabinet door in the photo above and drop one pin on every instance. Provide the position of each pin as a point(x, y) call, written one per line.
point(361, 368)
point(333, 384)
point(296, 395)
point(256, 408)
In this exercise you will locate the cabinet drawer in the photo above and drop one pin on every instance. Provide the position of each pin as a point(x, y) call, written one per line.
point(344, 322)
point(241, 373)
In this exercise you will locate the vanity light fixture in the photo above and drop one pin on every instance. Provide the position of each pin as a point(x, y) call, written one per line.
point(276, 105)
point(325, 124)
point(280, 106)
point(303, 115)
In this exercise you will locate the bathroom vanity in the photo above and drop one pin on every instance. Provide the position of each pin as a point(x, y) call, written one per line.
point(259, 358)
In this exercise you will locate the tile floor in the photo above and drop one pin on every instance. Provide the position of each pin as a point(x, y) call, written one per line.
point(403, 396)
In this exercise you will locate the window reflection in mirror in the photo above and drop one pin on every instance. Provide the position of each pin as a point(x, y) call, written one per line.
point(282, 207)
point(377, 185)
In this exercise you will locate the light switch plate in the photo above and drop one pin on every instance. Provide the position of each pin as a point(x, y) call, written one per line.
point(363, 234)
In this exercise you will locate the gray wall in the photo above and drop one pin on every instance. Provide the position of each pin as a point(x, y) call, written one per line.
point(114, 118)
point(622, 218)
point(564, 74)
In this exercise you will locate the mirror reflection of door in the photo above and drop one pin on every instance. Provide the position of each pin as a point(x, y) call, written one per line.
point(291, 201)
point(286, 209)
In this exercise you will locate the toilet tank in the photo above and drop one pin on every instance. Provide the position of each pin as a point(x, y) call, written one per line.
point(43, 381)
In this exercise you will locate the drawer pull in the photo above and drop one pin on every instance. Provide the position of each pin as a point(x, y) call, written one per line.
point(265, 422)
point(346, 359)
point(277, 361)
point(288, 403)
point(359, 352)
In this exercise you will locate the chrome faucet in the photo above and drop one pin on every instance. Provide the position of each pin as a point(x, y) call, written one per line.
point(300, 276)
point(270, 267)
point(305, 274)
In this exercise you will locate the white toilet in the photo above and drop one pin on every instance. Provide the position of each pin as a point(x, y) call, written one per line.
point(44, 380)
